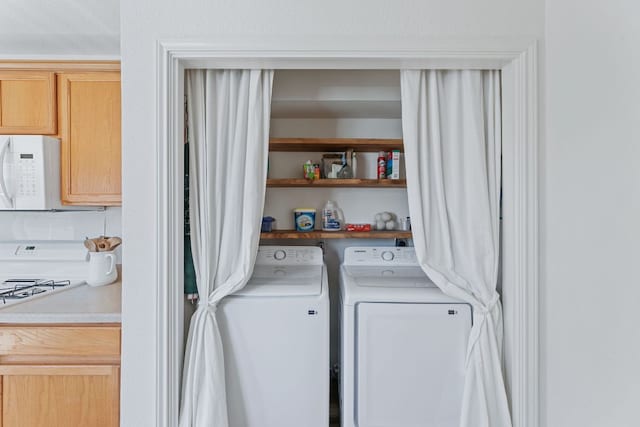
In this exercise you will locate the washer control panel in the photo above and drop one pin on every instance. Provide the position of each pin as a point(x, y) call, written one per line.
point(371, 256)
point(289, 255)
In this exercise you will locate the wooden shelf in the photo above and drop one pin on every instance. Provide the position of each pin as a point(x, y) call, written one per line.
point(301, 182)
point(292, 234)
point(334, 144)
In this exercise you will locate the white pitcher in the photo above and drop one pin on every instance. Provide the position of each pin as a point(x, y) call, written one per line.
point(102, 268)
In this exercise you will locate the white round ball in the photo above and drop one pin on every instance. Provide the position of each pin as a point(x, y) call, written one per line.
point(390, 225)
point(380, 225)
point(378, 217)
point(386, 216)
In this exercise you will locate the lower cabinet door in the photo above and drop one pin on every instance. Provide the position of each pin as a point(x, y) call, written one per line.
point(57, 396)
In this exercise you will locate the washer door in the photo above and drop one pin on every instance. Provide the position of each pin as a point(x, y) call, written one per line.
point(410, 364)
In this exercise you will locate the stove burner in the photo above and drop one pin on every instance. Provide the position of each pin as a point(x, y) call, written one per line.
point(24, 288)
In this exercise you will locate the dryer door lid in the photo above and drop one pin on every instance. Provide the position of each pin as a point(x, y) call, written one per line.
point(278, 281)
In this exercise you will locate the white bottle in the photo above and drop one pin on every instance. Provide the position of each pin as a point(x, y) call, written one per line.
point(354, 164)
point(332, 217)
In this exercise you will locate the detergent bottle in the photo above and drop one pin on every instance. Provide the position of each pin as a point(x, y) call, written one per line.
point(332, 217)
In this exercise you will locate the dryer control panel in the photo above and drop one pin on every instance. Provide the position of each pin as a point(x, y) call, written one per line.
point(289, 255)
point(385, 255)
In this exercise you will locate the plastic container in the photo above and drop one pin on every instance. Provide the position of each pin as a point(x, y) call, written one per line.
point(354, 164)
point(267, 224)
point(332, 217)
point(309, 170)
point(304, 218)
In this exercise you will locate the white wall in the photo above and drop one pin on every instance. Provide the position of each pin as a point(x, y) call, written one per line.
point(369, 23)
point(59, 28)
point(591, 213)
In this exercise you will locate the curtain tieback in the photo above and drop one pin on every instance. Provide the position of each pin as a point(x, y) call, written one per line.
point(485, 310)
point(488, 308)
point(211, 307)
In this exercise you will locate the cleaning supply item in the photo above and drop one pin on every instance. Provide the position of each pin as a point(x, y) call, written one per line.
point(332, 217)
point(354, 164)
point(382, 165)
point(389, 165)
point(267, 224)
point(309, 170)
point(395, 165)
point(305, 219)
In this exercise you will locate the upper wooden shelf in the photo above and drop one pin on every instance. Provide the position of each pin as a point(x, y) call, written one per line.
point(318, 234)
point(301, 182)
point(334, 144)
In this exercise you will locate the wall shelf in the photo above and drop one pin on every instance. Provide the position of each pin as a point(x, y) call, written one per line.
point(301, 182)
point(335, 144)
point(317, 234)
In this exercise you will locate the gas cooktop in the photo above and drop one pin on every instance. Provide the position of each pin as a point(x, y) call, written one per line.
point(17, 290)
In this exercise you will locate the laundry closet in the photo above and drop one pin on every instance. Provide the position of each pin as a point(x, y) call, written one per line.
point(392, 337)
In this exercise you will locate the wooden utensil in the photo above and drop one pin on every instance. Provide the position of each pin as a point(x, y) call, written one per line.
point(114, 242)
point(91, 245)
point(102, 244)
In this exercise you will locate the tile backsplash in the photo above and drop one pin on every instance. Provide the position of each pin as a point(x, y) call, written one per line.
point(64, 225)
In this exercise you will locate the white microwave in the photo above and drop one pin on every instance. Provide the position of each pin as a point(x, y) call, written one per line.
point(29, 173)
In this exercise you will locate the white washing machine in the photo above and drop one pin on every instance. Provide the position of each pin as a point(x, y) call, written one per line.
point(404, 343)
point(275, 333)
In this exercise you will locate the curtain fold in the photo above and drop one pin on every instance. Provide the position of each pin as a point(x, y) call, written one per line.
point(229, 112)
point(451, 124)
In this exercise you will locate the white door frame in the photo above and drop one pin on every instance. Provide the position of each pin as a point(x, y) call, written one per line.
point(517, 59)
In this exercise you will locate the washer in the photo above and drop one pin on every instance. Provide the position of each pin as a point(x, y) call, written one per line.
point(404, 343)
point(275, 334)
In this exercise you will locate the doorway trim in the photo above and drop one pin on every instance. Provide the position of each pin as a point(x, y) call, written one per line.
point(517, 60)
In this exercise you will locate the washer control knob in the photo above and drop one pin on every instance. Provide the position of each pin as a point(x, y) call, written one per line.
point(388, 256)
point(279, 254)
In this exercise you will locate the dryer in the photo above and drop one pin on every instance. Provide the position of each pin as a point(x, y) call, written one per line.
point(404, 343)
point(275, 334)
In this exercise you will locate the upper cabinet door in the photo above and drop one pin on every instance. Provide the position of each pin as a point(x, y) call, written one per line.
point(27, 102)
point(89, 125)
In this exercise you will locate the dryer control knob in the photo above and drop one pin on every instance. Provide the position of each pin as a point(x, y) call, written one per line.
point(279, 254)
point(388, 256)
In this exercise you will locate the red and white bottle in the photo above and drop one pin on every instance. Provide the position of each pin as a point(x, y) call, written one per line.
point(382, 165)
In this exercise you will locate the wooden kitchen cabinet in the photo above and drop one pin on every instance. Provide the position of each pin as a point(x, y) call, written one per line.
point(27, 102)
point(59, 375)
point(89, 131)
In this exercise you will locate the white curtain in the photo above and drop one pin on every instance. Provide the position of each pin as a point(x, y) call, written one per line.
point(228, 127)
point(452, 137)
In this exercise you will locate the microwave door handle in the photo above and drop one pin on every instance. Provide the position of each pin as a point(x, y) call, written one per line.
point(3, 154)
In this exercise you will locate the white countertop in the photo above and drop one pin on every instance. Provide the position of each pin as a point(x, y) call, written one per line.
point(80, 304)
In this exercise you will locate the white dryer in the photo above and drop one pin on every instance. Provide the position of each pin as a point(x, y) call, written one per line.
point(404, 343)
point(275, 334)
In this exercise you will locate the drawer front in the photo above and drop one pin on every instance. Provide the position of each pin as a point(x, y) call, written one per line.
point(40, 396)
point(47, 340)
